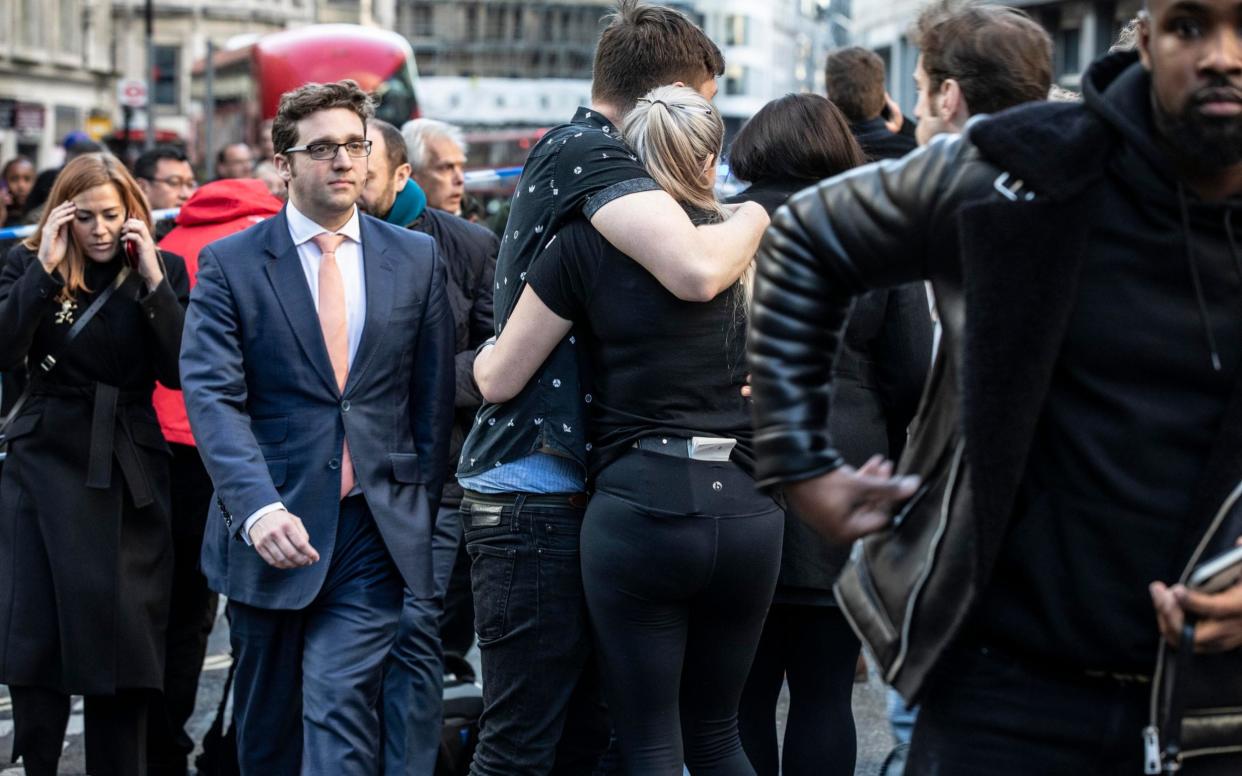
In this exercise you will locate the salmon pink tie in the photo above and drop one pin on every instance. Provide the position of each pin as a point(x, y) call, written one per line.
point(334, 322)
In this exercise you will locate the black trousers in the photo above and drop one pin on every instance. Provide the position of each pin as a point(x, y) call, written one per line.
point(190, 617)
point(115, 731)
point(814, 649)
point(679, 561)
point(989, 713)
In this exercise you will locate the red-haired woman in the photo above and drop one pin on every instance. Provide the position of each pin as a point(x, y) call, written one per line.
point(85, 558)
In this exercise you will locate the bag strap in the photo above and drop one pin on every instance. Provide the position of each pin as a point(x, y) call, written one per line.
point(49, 361)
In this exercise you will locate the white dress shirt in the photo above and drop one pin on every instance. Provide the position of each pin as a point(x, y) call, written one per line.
point(349, 260)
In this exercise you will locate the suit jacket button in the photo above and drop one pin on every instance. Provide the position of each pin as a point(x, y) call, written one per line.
point(345, 406)
point(334, 464)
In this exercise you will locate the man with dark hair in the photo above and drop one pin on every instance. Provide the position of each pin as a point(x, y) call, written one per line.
point(414, 674)
point(235, 160)
point(523, 467)
point(854, 80)
point(164, 174)
point(976, 58)
point(317, 373)
point(1080, 445)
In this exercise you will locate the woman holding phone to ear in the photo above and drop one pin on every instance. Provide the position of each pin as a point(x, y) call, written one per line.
point(85, 543)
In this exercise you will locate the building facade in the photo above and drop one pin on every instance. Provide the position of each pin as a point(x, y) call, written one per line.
point(182, 30)
point(55, 72)
point(1081, 30)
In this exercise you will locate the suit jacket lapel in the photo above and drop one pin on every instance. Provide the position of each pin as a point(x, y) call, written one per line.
point(377, 275)
point(284, 270)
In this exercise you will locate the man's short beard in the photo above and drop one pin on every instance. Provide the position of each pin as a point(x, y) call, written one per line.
point(1207, 145)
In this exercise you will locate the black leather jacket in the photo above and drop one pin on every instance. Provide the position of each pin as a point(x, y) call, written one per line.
point(997, 220)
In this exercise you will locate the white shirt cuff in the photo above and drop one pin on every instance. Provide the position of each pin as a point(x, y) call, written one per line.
point(275, 506)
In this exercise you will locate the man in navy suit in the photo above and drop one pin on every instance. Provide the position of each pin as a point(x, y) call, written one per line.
point(317, 365)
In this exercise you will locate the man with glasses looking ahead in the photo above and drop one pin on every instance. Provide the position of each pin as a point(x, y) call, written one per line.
point(164, 174)
point(317, 366)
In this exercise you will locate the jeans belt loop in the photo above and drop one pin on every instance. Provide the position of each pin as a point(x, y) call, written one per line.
point(516, 519)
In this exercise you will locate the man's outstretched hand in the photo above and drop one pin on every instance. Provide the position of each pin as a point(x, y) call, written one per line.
point(848, 503)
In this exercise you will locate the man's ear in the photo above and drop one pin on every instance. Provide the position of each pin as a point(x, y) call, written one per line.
point(281, 162)
point(144, 186)
point(402, 176)
point(1143, 43)
point(951, 98)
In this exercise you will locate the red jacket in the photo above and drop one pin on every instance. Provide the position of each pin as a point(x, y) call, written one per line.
point(215, 210)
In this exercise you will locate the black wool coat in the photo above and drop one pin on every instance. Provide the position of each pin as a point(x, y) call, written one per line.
point(85, 539)
point(878, 378)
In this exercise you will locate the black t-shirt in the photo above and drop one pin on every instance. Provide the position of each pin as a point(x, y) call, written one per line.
point(659, 365)
point(575, 170)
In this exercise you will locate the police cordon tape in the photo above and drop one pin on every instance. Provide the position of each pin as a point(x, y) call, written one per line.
point(474, 179)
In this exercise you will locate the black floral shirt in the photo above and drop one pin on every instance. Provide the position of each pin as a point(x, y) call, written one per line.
point(576, 169)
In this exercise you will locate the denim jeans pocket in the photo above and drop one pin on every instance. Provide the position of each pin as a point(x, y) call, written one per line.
point(491, 578)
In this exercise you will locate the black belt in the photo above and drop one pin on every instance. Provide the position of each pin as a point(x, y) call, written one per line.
point(678, 447)
point(104, 441)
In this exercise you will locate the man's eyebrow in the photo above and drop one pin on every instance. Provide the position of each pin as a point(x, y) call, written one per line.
point(1189, 6)
point(332, 139)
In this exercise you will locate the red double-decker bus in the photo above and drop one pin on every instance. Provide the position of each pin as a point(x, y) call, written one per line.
point(249, 80)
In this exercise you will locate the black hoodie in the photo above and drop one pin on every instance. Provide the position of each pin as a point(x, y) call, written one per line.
point(1139, 390)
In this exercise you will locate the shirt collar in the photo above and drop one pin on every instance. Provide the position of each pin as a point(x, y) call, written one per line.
point(593, 118)
point(302, 229)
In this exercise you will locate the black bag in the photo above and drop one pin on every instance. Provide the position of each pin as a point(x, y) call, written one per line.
point(463, 705)
point(219, 755)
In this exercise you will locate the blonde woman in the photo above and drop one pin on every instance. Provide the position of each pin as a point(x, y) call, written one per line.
point(85, 537)
point(679, 552)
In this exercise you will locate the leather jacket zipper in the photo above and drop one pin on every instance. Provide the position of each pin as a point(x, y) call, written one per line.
point(929, 562)
point(1151, 735)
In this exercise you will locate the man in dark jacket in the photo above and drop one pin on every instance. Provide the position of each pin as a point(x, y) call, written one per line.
point(413, 684)
point(854, 80)
point(1080, 448)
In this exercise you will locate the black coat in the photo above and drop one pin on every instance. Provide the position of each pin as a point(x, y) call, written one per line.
point(877, 380)
point(879, 143)
point(469, 252)
point(85, 540)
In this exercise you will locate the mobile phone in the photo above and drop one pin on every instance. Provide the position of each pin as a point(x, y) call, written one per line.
point(1219, 573)
point(131, 253)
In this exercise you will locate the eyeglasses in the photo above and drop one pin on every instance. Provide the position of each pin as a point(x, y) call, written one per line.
point(324, 151)
point(176, 182)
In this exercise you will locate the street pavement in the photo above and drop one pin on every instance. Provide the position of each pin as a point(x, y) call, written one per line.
point(874, 739)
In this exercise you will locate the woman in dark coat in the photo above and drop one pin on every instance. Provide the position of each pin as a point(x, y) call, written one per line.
point(792, 143)
point(85, 542)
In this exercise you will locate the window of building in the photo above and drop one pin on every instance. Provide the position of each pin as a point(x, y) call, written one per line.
point(737, 30)
point(423, 27)
point(1069, 51)
point(495, 23)
point(735, 80)
point(167, 75)
point(472, 22)
point(32, 24)
point(70, 26)
point(519, 19)
point(65, 119)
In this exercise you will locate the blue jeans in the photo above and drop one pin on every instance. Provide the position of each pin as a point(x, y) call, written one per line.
point(413, 703)
point(542, 712)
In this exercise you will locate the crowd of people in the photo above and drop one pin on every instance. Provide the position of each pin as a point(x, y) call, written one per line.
point(626, 445)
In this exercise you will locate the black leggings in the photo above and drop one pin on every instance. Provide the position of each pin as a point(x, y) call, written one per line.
point(814, 648)
point(679, 562)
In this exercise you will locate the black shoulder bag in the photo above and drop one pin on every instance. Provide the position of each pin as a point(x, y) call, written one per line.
point(49, 361)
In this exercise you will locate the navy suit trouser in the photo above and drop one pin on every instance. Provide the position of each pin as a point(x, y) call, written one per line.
point(308, 680)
